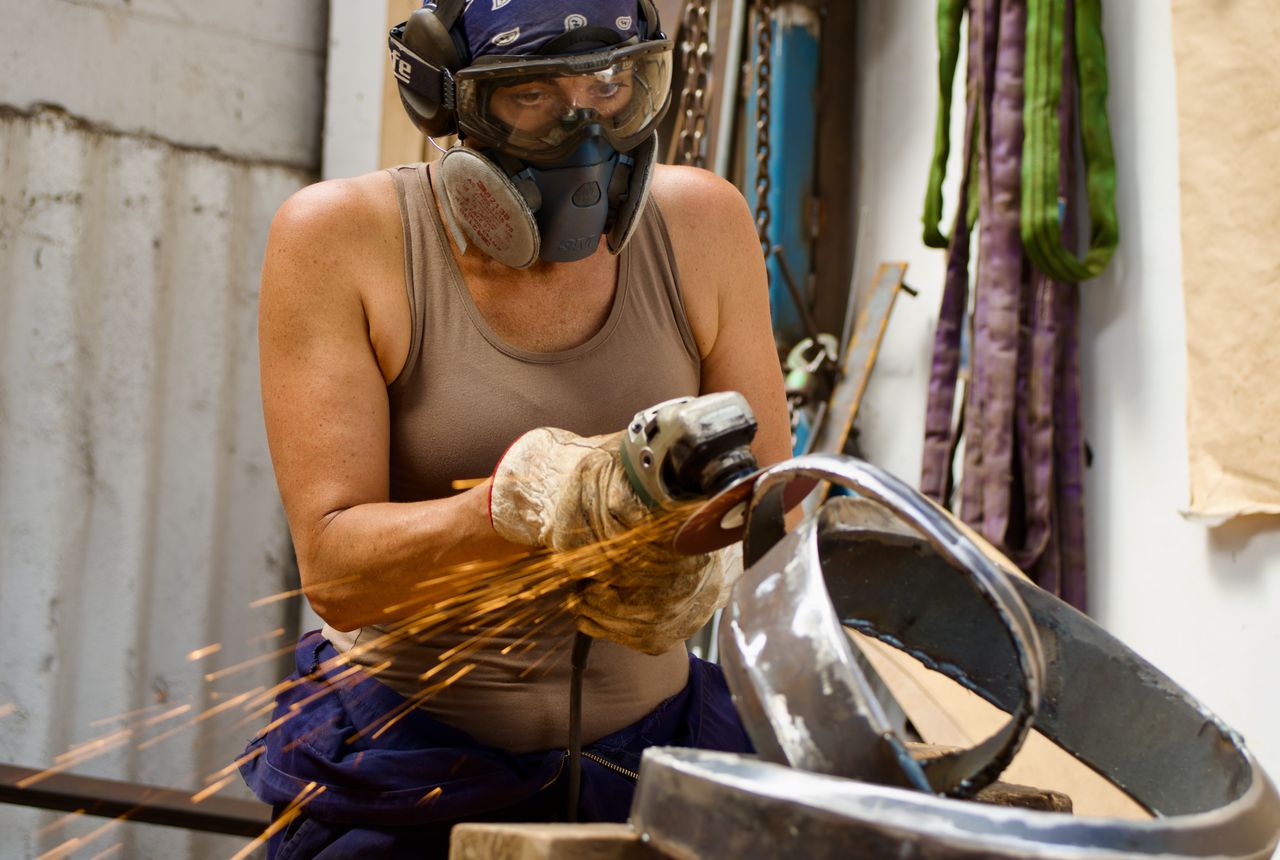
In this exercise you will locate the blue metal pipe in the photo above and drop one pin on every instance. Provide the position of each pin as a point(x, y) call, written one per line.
point(793, 125)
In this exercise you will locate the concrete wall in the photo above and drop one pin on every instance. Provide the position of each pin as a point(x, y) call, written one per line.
point(239, 76)
point(1200, 603)
point(138, 510)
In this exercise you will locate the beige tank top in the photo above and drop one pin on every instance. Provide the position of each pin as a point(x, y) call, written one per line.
point(463, 396)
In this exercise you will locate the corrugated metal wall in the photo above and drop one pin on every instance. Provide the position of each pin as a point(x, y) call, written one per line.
point(138, 512)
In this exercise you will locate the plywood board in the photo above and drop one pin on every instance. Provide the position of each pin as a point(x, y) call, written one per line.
point(947, 714)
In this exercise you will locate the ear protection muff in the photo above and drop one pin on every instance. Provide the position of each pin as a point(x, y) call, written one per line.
point(425, 52)
point(652, 26)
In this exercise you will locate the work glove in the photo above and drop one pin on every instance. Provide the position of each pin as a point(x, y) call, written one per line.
point(653, 609)
point(571, 494)
point(562, 491)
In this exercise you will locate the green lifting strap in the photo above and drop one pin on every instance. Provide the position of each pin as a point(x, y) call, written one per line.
point(950, 14)
point(1041, 156)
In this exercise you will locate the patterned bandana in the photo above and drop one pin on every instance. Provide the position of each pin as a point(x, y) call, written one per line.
point(526, 26)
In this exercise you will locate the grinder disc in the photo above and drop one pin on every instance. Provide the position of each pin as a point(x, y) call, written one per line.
point(720, 521)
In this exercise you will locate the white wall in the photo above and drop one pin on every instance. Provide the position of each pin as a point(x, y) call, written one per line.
point(353, 87)
point(1201, 604)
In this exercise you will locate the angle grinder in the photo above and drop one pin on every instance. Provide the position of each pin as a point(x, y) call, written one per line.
point(674, 453)
point(699, 449)
point(689, 448)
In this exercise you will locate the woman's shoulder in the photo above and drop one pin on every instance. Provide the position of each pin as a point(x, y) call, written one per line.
point(713, 238)
point(335, 239)
point(702, 211)
point(334, 266)
point(353, 208)
point(694, 193)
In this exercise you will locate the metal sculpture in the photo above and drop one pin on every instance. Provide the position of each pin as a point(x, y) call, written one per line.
point(832, 775)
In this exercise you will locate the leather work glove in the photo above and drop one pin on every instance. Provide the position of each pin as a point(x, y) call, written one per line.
point(566, 492)
point(652, 610)
point(562, 491)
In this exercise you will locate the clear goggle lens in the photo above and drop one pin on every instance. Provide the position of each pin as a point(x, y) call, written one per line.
point(543, 108)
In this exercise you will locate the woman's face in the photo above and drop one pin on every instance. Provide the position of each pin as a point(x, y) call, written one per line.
point(538, 105)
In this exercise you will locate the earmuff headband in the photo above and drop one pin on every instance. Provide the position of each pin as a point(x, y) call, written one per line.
point(430, 82)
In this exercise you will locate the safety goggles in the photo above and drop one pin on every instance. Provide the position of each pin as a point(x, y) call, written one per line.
point(541, 109)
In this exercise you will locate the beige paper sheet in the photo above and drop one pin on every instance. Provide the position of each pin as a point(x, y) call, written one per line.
point(1229, 133)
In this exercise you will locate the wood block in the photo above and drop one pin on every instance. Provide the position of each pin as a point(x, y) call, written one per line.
point(1001, 793)
point(548, 842)
point(1024, 797)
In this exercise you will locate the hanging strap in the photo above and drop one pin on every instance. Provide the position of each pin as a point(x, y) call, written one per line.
point(941, 429)
point(1041, 210)
point(950, 14)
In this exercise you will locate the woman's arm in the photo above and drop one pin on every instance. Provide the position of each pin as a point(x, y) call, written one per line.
point(329, 346)
point(726, 294)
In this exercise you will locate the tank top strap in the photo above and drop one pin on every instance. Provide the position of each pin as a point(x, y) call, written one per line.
point(656, 277)
point(426, 250)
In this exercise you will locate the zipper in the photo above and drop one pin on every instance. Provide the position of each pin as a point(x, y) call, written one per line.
point(616, 768)
point(559, 771)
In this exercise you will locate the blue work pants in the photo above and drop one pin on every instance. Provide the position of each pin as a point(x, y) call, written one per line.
point(397, 792)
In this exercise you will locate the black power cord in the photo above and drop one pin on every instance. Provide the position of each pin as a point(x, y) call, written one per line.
point(578, 662)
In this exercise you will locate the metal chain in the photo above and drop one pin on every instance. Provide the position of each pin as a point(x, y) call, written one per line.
point(696, 55)
point(764, 80)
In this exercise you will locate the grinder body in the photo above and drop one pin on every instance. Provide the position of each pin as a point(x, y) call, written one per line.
point(689, 448)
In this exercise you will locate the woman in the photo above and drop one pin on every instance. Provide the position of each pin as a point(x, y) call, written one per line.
point(423, 327)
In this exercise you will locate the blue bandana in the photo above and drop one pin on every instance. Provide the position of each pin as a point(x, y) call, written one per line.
point(526, 26)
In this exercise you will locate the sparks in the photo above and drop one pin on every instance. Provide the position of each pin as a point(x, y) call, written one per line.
point(309, 793)
point(507, 606)
point(210, 790)
point(201, 653)
point(275, 598)
point(270, 634)
point(60, 823)
point(247, 664)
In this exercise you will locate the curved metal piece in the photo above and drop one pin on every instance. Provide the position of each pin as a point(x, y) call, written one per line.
point(795, 681)
point(781, 628)
point(702, 804)
point(1099, 701)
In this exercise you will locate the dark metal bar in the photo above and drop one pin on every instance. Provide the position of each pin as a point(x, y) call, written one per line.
point(836, 217)
point(802, 305)
point(147, 804)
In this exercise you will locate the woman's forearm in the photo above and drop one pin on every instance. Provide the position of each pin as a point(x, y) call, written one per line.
point(384, 561)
